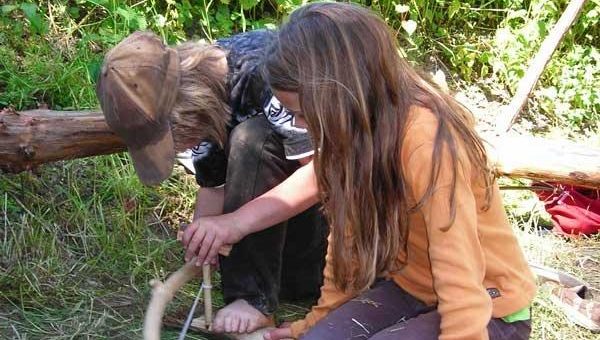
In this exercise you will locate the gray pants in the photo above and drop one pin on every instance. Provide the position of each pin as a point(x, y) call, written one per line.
point(386, 311)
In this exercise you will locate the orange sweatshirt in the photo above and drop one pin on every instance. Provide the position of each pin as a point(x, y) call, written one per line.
point(450, 268)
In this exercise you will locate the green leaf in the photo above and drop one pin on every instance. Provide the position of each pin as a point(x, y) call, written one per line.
point(454, 7)
point(126, 14)
point(484, 57)
point(30, 10)
point(8, 8)
point(248, 4)
point(102, 3)
point(224, 19)
point(74, 12)
point(542, 28)
point(93, 69)
point(484, 71)
point(38, 24)
point(142, 23)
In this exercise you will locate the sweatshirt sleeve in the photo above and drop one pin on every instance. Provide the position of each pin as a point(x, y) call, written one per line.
point(331, 298)
point(456, 256)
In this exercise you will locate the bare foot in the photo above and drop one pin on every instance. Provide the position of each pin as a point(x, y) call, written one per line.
point(240, 317)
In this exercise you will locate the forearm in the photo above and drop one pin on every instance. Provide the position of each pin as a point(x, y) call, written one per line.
point(292, 196)
point(209, 202)
point(207, 234)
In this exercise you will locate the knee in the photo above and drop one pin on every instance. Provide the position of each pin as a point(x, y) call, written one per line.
point(251, 133)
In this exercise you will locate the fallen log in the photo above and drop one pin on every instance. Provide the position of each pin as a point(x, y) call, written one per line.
point(31, 138)
point(544, 159)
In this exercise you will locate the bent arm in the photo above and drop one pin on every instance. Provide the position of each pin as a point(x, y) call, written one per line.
point(291, 197)
point(207, 234)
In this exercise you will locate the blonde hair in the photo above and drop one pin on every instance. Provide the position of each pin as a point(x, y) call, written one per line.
point(201, 110)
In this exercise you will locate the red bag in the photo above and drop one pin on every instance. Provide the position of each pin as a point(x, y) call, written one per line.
point(574, 210)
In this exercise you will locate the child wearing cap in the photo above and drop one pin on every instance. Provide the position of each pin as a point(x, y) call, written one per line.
point(160, 99)
point(420, 244)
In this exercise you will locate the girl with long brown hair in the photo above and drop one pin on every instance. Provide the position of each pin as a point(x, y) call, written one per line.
point(420, 245)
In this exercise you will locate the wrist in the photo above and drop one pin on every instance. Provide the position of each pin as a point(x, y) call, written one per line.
point(237, 228)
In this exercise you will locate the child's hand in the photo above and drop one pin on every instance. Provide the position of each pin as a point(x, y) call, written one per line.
point(283, 332)
point(206, 235)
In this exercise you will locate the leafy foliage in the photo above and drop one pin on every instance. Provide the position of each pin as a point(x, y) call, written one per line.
point(51, 52)
point(569, 86)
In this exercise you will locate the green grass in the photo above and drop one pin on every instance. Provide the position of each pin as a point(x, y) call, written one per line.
point(80, 241)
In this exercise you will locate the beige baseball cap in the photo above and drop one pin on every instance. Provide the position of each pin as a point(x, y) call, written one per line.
point(137, 90)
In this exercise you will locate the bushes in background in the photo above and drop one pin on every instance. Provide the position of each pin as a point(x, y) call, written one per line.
point(50, 52)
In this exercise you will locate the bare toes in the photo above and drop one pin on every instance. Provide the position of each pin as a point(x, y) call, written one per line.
point(228, 322)
point(235, 325)
point(218, 323)
point(252, 326)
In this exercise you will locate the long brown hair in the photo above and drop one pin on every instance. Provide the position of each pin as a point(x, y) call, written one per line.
point(355, 92)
